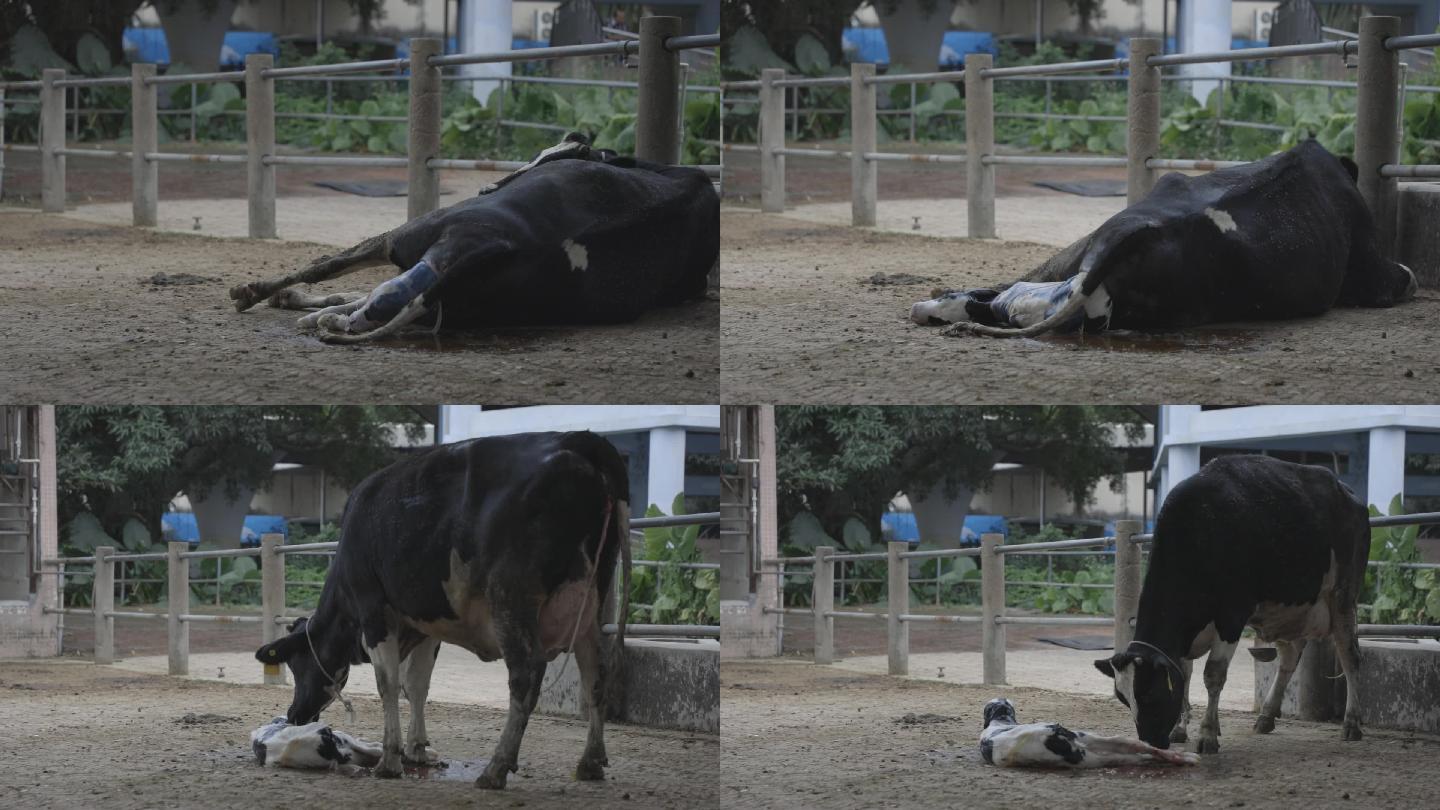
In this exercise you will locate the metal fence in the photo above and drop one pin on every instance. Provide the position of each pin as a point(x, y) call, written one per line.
point(1126, 546)
point(1378, 91)
point(271, 555)
point(657, 128)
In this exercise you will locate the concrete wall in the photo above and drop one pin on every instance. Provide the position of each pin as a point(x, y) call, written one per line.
point(26, 631)
point(668, 684)
point(1399, 689)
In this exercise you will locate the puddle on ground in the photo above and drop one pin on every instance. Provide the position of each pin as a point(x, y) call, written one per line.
point(1202, 341)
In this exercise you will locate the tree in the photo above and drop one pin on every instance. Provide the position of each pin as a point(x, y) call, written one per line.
point(124, 463)
point(847, 462)
point(784, 22)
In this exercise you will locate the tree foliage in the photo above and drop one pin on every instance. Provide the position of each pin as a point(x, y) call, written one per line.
point(128, 462)
point(848, 462)
point(784, 22)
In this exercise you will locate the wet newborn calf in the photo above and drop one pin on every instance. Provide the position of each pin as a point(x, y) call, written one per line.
point(310, 745)
point(1007, 743)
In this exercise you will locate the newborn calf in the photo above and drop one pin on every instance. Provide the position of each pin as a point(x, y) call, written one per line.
point(1050, 745)
point(313, 745)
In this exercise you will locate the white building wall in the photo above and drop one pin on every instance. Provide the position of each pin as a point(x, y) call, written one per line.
point(26, 630)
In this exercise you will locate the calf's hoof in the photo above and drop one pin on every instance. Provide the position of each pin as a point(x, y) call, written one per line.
point(245, 296)
point(1351, 732)
point(1264, 724)
point(1179, 735)
point(1208, 745)
point(589, 771)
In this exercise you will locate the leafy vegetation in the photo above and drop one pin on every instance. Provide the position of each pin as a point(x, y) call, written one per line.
point(1399, 595)
point(667, 593)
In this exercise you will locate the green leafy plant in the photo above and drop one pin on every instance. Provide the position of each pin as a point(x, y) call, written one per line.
point(674, 595)
point(1398, 595)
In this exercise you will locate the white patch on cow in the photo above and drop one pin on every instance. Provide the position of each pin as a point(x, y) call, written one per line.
point(1290, 622)
point(1125, 686)
point(1222, 219)
point(576, 253)
point(1203, 642)
point(1099, 304)
point(474, 625)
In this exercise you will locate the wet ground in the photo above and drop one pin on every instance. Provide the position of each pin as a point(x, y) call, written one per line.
point(80, 735)
point(807, 319)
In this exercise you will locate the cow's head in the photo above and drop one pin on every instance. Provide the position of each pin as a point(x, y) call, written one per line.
point(314, 659)
point(1152, 685)
point(999, 709)
point(954, 306)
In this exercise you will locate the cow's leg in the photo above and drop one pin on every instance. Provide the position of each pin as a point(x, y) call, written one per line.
point(385, 657)
point(416, 675)
point(1289, 656)
point(527, 670)
point(592, 690)
point(1347, 649)
point(373, 252)
point(295, 299)
point(1181, 732)
point(310, 320)
point(1217, 664)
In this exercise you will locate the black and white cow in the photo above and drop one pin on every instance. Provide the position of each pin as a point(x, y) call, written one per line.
point(1248, 540)
point(1284, 237)
point(1009, 743)
point(504, 546)
point(577, 236)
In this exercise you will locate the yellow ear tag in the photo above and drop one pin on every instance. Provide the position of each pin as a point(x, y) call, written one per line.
point(272, 669)
point(1168, 684)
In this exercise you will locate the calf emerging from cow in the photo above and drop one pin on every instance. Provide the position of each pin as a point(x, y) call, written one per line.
point(1285, 237)
point(504, 546)
point(578, 236)
point(1248, 540)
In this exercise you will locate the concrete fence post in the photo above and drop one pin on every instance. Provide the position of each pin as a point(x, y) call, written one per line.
point(177, 597)
point(657, 103)
point(102, 599)
point(822, 602)
point(772, 139)
point(423, 142)
point(1377, 141)
point(272, 597)
point(52, 140)
point(1142, 139)
point(2, 143)
point(992, 607)
point(260, 144)
point(863, 174)
point(897, 592)
point(1127, 581)
point(979, 144)
point(145, 137)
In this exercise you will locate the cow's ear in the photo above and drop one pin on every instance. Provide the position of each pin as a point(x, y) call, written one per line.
point(278, 652)
point(1351, 167)
point(1106, 666)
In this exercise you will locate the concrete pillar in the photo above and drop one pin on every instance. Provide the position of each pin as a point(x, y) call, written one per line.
point(102, 601)
point(177, 597)
point(52, 139)
point(260, 143)
point(863, 175)
point(666, 476)
point(272, 598)
point(992, 607)
point(772, 138)
point(1377, 138)
point(898, 598)
point(657, 118)
point(1127, 581)
point(1181, 462)
point(822, 602)
point(423, 142)
point(484, 26)
point(1204, 26)
point(145, 137)
point(1143, 111)
point(979, 143)
point(1386, 467)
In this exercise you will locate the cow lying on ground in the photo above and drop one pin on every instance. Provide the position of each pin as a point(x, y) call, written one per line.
point(1007, 743)
point(578, 236)
point(1248, 540)
point(504, 546)
point(1284, 237)
point(312, 745)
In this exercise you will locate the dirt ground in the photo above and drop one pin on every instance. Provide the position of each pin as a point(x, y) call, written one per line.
point(85, 318)
point(798, 735)
point(86, 735)
point(806, 319)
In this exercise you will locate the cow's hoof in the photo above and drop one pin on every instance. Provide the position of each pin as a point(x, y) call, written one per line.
point(1264, 724)
point(589, 771)
point(423, 757)
point(1351, 732)
point(388, 770)
point(1208, 745)
point(245, 296)
point(490, 780)
point(1179, 735)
